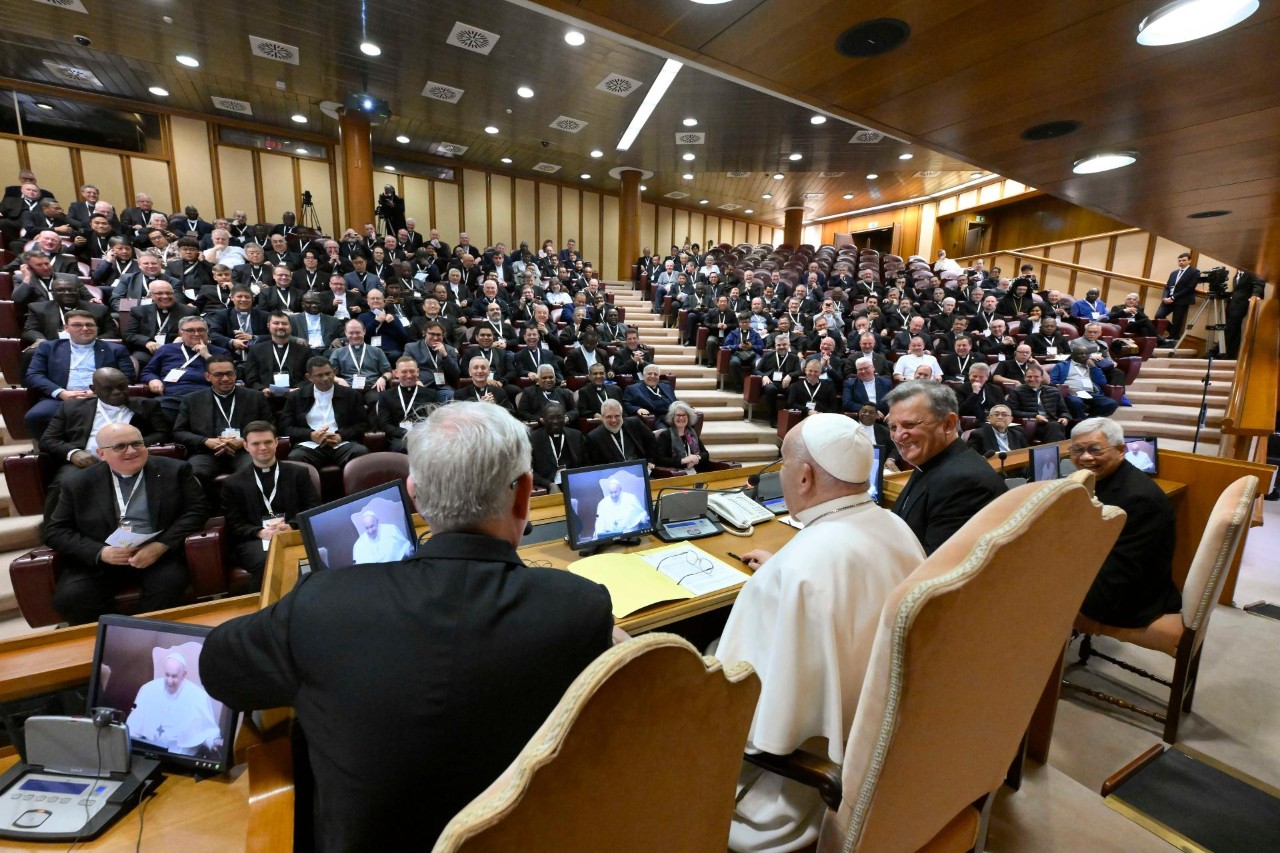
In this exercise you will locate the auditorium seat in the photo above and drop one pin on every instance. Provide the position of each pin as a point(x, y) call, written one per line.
point(374, 469)
point(27, 476)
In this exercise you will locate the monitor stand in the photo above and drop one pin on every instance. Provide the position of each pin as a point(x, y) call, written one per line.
point(595, 549)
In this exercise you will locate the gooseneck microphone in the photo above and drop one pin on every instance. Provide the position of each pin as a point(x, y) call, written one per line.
point(753, 480)
point(1003, 454)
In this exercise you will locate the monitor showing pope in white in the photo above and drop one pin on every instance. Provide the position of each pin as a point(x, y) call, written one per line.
point(174, 713)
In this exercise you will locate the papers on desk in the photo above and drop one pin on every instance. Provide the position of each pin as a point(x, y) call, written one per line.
point(644, 578)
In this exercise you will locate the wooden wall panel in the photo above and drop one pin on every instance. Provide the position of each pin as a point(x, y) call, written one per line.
point(527, 214)
point(235, 168)
point(590, 241)
point(967, 199)
point(500, 213)
point(417, 201)
point(1130, 258)
point(1165, 258)
point(52, 165)
point(191, 165)
point(666, 231)
point(570, 226)
point(106, 172)
point(609, 226)
point(711, 235)
point(9, 163)
point(152, 178)
point(1043, 219)
point(278, 189)
point(446, 196)
point(649, 229)
point(1093, 253)
point(697, 229)
point(1057, 278)
point(928, 232)
point(680, 227)
point(475, 211)
point(315, 177)
point(947, 205)
point(991, 192)
point(549, 214)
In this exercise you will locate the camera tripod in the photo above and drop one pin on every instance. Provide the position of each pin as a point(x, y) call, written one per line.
point(309, 217)
point(1215, 303)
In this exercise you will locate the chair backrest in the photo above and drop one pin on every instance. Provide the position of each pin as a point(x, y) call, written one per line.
point(962, 653)
point(374, 469)
point(642, 753)
point(311, 470)
point(1218, 546)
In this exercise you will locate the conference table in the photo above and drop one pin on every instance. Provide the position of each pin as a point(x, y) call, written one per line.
point(215, 814)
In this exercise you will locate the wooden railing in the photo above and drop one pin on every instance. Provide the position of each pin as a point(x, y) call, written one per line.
point(1252, 403)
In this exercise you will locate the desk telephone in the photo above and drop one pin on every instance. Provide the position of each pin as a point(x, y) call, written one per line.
point(737, 509)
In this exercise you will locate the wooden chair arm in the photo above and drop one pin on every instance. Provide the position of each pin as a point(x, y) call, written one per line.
point(807, 769)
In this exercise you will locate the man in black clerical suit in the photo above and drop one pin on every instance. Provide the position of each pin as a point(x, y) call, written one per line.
point(592, 396)
point(618, 439)
point(998, 433)
point(148, 495)
point(280, 293)
point(192, 271)
point(325, 421)
point(501, 365)
point(211, 422)
point(238, 326)
point(37, 280)
point(279, 253)
point(529, 361)
point(439, 365)
point(588, 352)
point(263, 500)
point(484, 387)
point(555, 448)
point(255, 271)
point(402, 403)
point(45, 319)
point(150, 327)
point(73, 432)
point(510, 664)
point(779, 368)
point(535, 398)
point(279, 357)
point(950, 482)
point(1134, 587)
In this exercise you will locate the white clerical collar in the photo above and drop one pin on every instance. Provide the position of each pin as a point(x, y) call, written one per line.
point(840, 504)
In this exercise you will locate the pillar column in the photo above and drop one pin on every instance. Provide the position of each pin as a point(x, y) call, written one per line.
point(793, 226)
point(357, 170)
point(628, 222)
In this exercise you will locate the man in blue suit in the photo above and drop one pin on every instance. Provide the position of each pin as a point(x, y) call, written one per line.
point(62, 369)
point(1179, 295)
point(649, 396)
point(1085, 382)
point(865, 387)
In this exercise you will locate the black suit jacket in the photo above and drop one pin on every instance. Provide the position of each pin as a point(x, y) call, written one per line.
point(86, 513)
point(44, 321)
point(637, 441)
point(983, 438)
point(589, 401)
point(198, 419)
point(144, 325)
point(391, 408)
point(466, 604)
point(200, 275)
point(945, 492)
point(1023, 401)
point(348, 411)
point(243, 505)
point(273, 298)
point(330, 328)
point(73, 423)
point(533, 399)
point(575, 363)
point(223, 327)
point(470, 394)
point(260, 364)
point(1182, 289)
point(573, 454)
point(977, 405)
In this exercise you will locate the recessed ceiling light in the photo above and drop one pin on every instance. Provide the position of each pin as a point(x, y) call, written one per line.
point(1104, 162)
point(299, 118)
point(1188, 20)
point(42, 105)
point(402, 139)
point(709, 2)
point(585, 176)
point(748, 210)
point(817, 120)
point(872, 176)
point(688, 176)
point(702, 200)
point(388, 168)
point(524, 92)
point(690, 122)
point(643, 188)
point(848, 195)
point(688, 155)
point(159, 91)
point(575, 38)
point(597, 153)
point(506, 160)
point(975, 174)
point(300, 150)
point(777, 176)
point(795, 157)
point(189, 61)
point(368, 48)
point(767, 195)
point(907, 156)
point(490, 129)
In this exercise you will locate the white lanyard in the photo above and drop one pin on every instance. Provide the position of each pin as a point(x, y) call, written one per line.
point(223, 412)
point(557, 451)
point(311, 280)
point(189, 270)
point(275, 487)
point(407, 407)
point(84, 356)
point(814, 392)
point(621, 444)
point(537, 356)
point(192, 358)
point(435, 362)
point(359, 363)
point(657, 392)
point(280, 358)
point(242, 321)
point(160, 327)
point(121, 500)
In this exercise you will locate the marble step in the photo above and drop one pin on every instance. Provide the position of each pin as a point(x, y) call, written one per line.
point(1181, 386)
point(20, 532)
point(711, 399)
point(673, 349)
point(696, 383)
point(683, 370)
point(737, 452)
point(1141, 398)
point(718, 414)
point(738, 431)
point(1171, 414)
point(1171, 372)
point(1183, 431)
point(8, 602)
point(1208, 445)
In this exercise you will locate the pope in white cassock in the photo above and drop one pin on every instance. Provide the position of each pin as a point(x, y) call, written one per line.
point(174, 713)
point(806, 620)
point(618, 511)
point(379, 543)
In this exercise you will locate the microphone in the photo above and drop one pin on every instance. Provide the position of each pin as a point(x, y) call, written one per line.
point(753, 480)
point(1003, 454)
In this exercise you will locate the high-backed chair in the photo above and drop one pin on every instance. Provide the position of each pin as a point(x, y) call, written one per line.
point(373, 469)
point(1181, 635)
point(943, 708)
point(641, 754)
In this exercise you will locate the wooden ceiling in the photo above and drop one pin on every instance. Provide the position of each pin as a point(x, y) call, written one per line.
point(974, 74)
point(746, 129)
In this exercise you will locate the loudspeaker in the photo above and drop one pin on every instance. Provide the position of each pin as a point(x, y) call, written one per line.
point(679, 506)
point(78, 746)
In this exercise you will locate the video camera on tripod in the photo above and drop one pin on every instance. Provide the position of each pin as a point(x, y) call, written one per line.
point(1217, 279)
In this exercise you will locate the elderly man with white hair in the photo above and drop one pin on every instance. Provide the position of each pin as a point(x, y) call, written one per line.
point(378, 542)
point(174, 713)
point(806, 620)
point(618, 511)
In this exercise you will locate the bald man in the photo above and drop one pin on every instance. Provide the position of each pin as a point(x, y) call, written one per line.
point(121, 524)
point(806, 620)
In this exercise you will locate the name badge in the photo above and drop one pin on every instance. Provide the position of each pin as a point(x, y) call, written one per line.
point(1000, 357)
point(357, 382)
point(230, 432)
point(190, 293)
point(160, 338)
point(174, 375)
point(267, 521)
point(438, 377)
point(404, 321)
point(1084, 395)
point(280, 379)
point(256, 288)
point(1095, 315)
point(811, 405)
point(146, 300)
point(777, 376)
point(315, 340)
point(555, 481)
point(1050, 350)
point(125, 526)
point(64, 335)
point(376, 341)
point(986, 333)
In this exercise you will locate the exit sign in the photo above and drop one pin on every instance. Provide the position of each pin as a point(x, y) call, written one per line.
point(979, 219)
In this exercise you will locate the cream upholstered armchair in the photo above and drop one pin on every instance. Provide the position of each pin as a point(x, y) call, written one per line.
point(641, 754)
point(1181, 635)
point(962, 653)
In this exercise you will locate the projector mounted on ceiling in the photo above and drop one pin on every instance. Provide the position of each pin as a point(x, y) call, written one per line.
point(376, 110)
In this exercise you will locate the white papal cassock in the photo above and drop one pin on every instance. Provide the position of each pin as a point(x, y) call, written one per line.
point(179, 722)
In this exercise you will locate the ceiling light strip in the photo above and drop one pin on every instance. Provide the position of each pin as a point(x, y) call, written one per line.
point(659, 88)
point(918, 200)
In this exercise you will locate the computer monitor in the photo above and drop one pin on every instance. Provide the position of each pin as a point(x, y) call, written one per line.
point(1044, 463)
point(1142, 452)
point(149, 671)
point(878, 456)
point(372, 526)
point(607, 502)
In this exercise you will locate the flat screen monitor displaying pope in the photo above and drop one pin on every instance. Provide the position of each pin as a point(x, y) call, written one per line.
point(372, 526)
point(149, 671)
point(607, 502)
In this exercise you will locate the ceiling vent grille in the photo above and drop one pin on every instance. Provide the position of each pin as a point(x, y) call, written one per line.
point(441, 92)
point(546, 167)
point(451, 149)
point(616, 84)
point(866, 137)
point(737, 174)
point(812, 196)
point(831, 174)
point(730, 206)
point(71, 74)
point(272, 49)
point(231, 105)
point(928, 173)
point(568, 125)
point(687, 138)
point(72, 5)
point(472, 38)
point(676, 194)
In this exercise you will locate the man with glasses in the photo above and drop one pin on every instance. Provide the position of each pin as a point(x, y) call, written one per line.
point(179, 368)
point(999, 433)
point(62, 369)
point(1135, 584)
point(950, 482)
point(211, 422)
point(437, 362)
point(149, 327)
point(1041, 402)
point(121, 524)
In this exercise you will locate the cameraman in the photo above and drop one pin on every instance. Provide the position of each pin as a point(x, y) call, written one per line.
point(391, 209)
point(1243, 286)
